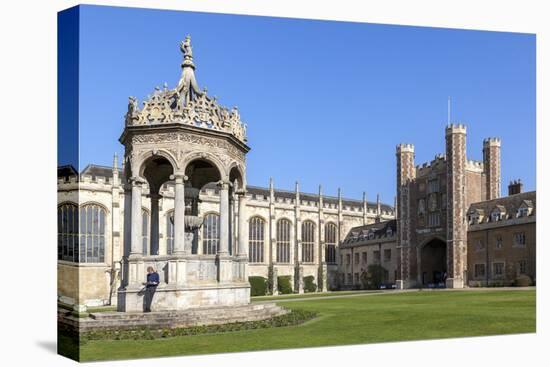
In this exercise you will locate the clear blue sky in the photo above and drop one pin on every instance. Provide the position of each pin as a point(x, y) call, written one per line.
point(325, 102)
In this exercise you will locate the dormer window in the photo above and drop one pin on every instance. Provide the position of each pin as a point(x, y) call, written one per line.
point(498, 214)
point(525, 209)
point(371, 235)
point(389, 232)
point(523, 212)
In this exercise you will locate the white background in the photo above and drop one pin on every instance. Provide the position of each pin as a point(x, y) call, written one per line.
point(28, 181)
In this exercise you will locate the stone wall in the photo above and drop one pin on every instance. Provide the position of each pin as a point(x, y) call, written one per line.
point(509, 253)
point(109, 193)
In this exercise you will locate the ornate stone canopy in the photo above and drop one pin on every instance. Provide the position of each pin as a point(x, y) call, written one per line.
point(184, 136)
point(186, 104)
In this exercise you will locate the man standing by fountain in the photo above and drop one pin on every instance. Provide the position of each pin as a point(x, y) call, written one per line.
point(150, 288)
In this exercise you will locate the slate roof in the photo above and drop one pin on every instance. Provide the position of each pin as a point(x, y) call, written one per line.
point(95, 170)
point(66, 171)
point(508, 204)
point(360, 235)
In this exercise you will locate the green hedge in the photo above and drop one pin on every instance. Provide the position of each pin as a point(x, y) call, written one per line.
point(258, 286)
point(283, 284)
point(295, 317)
point(523, 281)
point(373, 277)
point(309, 284)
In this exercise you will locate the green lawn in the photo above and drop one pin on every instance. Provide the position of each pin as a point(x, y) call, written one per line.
point(353, 320)
point(308, 295)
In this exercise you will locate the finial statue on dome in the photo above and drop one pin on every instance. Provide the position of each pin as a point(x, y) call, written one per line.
point(188, 88)
point(186, 48)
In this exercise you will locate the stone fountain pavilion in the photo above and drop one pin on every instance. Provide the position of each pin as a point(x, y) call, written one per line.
point(184, 137)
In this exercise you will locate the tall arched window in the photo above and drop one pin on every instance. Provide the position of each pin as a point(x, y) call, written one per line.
point(170, 233)
point(330, 243)
point(211, 234)
point(92, 234)
point(308, 241)
point(256, 230)
point(67, 232)
point(283, 241)
point(145, 231)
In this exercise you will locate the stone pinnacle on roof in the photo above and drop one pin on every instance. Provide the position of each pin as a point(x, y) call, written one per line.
point(188, 88)
point(186, 104)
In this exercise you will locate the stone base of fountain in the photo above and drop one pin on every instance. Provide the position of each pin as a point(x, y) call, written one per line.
point(168, 297)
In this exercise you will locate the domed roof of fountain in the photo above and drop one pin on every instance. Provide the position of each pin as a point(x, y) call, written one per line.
point(186, 104)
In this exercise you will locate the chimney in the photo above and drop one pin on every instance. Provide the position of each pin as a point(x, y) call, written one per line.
point(515, 187)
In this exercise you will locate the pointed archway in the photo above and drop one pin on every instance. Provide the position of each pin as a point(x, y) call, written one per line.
point(433, 263)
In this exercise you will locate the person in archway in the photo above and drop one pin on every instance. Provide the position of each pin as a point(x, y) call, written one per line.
point(153, 280)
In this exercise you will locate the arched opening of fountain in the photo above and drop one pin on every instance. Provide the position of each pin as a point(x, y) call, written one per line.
point(156, 170)
point(201, 174)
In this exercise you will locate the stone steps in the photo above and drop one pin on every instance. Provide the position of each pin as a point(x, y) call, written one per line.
point(173, 319)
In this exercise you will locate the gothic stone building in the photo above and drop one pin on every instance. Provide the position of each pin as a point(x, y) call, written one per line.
point(434, 240)
point(452, 228)
point(502, 239)
point(180, 203)
point(287, 230)
point(371, 244)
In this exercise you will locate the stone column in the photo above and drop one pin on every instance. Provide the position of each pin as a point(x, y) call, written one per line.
point(224, 218)
point(136, 247)
point(154, 224)
point(136, 272)
point(179, 215)
point(225, 271)
point(177, 265)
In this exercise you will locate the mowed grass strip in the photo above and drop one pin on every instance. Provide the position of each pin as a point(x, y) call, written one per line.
point(353, 320)
point(309, 295)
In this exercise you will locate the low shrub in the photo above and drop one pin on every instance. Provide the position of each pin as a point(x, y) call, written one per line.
point(258, 286)
point(523, 281)
point(309, 284)
point(373, 277)
point(294, 317)
point(283, 284)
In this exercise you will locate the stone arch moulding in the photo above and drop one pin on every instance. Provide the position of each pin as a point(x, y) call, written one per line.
point(242, 172)
point(210, 158)
point(142, 158)
point(430, 239)
point(92, 202)
point(259, 216)
point(280, 219)
point(67, 202)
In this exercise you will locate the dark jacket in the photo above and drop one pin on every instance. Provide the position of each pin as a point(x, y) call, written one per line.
point(152, 279)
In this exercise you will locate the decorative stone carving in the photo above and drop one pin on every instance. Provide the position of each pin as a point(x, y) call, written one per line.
point(186, 104)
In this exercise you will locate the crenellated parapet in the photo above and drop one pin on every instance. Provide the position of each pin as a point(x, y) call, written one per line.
point(404, 148)
point(488, 142)
point(455, 129)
